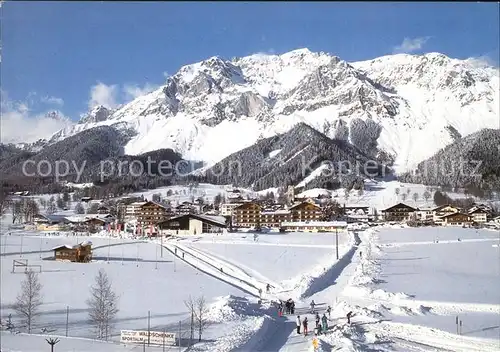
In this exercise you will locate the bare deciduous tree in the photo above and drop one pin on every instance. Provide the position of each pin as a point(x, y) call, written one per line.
point(427, 195)
point(17, 211)
point(103, 304)
point(29, 209)
point(29, 299)
point(4, 202)
point(199, 312)
point(397, 191)
point(61, 204)
point(415, 197)
point(79, 208)
point(92, 209)
point(51, 206)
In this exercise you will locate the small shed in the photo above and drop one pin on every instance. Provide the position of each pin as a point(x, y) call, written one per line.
point(81, 253)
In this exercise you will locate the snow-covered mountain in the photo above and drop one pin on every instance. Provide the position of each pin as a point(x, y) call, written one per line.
point(211, 109)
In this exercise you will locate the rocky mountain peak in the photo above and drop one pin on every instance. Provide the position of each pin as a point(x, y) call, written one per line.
point(97, 114)
point(412, 97)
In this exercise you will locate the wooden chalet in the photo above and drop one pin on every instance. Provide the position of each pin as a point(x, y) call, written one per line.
point(306, 211)
point(151, 213)
point(479, 215)
point(399, 212)
point(49, 222)
point(102, 209)
point(247, 215)
point(439, 212)
point(185, 208)
point(456, 219)
point(81, 253)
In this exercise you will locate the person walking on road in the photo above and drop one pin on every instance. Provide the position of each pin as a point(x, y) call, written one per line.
point(312, 306)
point(298, 324)
point(324, 321)
point(329, 311)
point(317, 319)
point(304, 323)
point(349, 315)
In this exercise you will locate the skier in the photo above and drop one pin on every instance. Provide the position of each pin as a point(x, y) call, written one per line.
point(292, 308)
point(280, 308)
point(317, 319)
point(268, 288)
point(324, 321)
point(304, 323)
point(260, 292)
point(349, 315)
point(360, 254)
point(329, 311)
point(298, 324)
point(312, 306)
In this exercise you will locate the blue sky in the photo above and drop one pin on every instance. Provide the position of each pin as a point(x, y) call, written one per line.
point(55, 53)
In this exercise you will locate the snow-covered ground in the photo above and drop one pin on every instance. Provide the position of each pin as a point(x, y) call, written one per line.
point(405, 286)
point(408, 289)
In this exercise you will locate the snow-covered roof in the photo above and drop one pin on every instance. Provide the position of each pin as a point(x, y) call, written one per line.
point(53, 217)
point(218, 219)
point(86, 243)
point(316, 224)
point(63, 246)
point(86, 217)
point(67, 246)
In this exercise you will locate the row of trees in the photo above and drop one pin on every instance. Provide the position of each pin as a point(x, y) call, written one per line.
point(24, 210)
point(102, 304)
point(415, 196)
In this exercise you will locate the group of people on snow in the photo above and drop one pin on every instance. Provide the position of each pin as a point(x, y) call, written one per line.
point(287, 308)
point(321, 325)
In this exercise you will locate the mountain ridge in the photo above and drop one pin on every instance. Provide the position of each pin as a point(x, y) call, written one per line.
point(213, 108)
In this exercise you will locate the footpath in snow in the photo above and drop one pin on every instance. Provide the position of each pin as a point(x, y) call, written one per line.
point(281, 335)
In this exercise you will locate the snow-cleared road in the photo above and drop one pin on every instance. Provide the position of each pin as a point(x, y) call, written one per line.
point(281, 335)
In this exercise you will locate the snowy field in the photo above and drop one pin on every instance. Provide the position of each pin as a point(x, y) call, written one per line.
point(287, 260)
point(149, 278)
point(144, 280)
point(405, 286)
point(408, 286)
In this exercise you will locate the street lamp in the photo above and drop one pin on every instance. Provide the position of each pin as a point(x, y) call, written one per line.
point(52, 342)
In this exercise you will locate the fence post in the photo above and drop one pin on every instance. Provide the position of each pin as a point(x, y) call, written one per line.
point(149, 327)
point(67, 320)
point(180, 349)
point(164, 332)
point(191, 337)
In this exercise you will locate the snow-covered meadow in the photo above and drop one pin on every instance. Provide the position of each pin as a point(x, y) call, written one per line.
point(150, 278)
point(405, 286)
point(412, 284)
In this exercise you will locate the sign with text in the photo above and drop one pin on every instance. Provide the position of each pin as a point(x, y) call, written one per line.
point(155, 337)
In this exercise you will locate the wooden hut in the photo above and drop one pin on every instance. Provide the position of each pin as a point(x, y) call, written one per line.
point(81, 253)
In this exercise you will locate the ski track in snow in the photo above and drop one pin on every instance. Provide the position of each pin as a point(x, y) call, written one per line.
point(251, 273)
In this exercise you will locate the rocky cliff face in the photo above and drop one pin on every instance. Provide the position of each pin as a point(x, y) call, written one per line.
point(211, 109)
